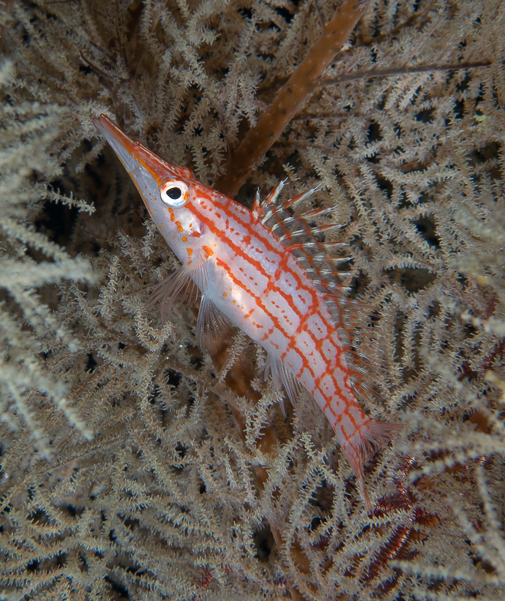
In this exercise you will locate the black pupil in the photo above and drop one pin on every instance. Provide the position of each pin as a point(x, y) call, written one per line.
point(174, 193)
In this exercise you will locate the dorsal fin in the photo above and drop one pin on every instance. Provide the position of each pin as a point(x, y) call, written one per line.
point(315, 255)
point(321, 259)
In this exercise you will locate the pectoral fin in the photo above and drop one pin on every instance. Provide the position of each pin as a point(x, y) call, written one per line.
point(185, 284)
point(213, 329)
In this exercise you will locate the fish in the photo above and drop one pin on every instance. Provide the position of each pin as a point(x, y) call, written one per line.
point(267, 280)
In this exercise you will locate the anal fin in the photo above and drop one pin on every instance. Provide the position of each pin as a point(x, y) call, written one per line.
point(282, 378)
point(307, 414)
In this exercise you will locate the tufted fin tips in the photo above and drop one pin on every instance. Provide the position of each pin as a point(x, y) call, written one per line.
point(274, 194)
point(362, 446)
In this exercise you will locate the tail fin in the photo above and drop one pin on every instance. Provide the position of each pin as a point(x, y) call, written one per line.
point(370, 438)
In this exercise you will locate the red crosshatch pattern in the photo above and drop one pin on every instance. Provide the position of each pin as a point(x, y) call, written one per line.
point(264, 290)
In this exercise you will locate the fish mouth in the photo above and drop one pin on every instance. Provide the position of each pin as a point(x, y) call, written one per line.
point(133, 154)
point(122, 145)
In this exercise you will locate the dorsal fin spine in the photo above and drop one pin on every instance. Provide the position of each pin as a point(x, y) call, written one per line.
point(311, 253)
point(267, 215)
point(317, 213)
point(275, 226)
point(334, 244)
point(314, 244)
point(274, 194)
point(300, 198)
point(320, 229)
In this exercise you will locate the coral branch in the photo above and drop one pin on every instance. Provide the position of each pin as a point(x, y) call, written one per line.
point(291, 97)
point(405, 70)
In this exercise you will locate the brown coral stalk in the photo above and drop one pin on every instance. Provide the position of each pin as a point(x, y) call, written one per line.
point(290, 98)
point(405, 70)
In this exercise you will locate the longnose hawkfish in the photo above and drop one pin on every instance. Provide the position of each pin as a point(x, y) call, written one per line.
point(263, 280)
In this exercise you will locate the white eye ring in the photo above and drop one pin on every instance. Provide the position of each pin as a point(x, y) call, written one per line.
point(174, 193)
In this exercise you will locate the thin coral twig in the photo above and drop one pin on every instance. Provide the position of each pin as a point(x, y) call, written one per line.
point(290, 98)
point(391, 72)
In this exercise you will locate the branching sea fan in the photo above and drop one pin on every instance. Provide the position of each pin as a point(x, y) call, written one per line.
point(134, 464)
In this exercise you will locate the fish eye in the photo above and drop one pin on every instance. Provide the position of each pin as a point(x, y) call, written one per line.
point(174, 193)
